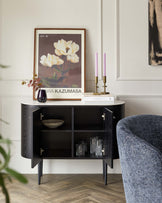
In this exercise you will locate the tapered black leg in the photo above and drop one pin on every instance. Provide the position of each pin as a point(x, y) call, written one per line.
point(103, 165)
point(41, 168)
point(105, 170)
point(40, 171)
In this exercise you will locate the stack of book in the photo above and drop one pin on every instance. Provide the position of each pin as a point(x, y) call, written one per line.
point(89, 96)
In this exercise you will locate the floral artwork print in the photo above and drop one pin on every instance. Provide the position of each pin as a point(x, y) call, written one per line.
point(59, 64)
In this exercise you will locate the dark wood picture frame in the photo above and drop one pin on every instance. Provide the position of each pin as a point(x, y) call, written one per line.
point(60, 62)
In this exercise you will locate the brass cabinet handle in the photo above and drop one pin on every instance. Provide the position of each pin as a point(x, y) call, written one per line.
point(103, 116)
point(41, 151)
point(41, 116)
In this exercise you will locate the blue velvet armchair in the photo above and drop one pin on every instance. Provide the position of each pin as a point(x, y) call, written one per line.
point(139, 141)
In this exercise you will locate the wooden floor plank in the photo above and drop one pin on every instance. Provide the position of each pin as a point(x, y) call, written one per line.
point(67, 189)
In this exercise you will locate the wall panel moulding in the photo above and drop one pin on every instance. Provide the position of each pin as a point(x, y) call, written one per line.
point(132, 42)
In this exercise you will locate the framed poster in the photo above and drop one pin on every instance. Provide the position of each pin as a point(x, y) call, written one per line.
point(60, 62)
point(155, 32)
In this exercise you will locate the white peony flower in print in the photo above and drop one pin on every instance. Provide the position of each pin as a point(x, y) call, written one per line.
point(67, 48)
point(50, 60)
point(73, 58)
point(73, 48)
point(62, 47)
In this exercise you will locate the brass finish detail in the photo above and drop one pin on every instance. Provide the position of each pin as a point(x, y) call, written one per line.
point(103, 116)
point(41, 116)
point(104, 82)
point(104, 86)
point(41, 151)
point(96, 86)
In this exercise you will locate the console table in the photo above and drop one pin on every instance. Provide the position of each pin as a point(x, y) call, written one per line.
point(82, 121)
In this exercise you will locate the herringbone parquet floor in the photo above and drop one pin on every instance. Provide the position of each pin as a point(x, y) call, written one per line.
point(67, 189)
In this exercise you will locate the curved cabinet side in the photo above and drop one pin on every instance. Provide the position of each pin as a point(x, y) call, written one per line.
point(119, 113)
point(27, 130)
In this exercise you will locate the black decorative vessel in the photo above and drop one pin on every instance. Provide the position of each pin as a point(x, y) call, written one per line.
point(42, 96)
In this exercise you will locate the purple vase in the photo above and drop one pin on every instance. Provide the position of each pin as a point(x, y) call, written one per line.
point(42, 96)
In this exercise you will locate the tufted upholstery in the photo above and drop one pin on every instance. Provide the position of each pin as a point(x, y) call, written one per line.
point(140, 149)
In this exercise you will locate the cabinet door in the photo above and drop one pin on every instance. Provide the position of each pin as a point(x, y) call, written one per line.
point(108, 139)
point(36, 138)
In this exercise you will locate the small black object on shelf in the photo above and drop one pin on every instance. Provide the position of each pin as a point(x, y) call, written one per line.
point(42, 96)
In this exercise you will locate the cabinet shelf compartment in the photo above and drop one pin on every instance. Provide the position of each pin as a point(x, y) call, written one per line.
point(85, 137)
point(88, 118)
point(60, 129)
point(56, 153)
point(62, 113)
point(56, 144)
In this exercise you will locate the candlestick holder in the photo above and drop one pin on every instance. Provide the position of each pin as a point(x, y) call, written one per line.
point(96, 86)
point(104, 86)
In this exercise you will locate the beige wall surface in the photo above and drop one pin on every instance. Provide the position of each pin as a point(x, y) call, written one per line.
point(119, 28)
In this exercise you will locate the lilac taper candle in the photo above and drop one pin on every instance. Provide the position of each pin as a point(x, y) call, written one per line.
point(96, 65)
point(104, 69)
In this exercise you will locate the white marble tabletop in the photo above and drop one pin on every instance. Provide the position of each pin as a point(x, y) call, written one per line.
point(73, 103)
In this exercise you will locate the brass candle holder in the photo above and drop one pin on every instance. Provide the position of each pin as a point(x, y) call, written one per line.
point(96, 86)
point(104, 86)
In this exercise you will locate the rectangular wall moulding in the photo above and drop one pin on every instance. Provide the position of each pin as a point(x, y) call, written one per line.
point(132, 42)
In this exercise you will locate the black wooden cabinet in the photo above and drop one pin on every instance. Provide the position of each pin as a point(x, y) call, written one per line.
point(81, 123)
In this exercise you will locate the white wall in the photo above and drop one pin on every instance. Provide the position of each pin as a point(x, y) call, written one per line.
point(117, 27)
